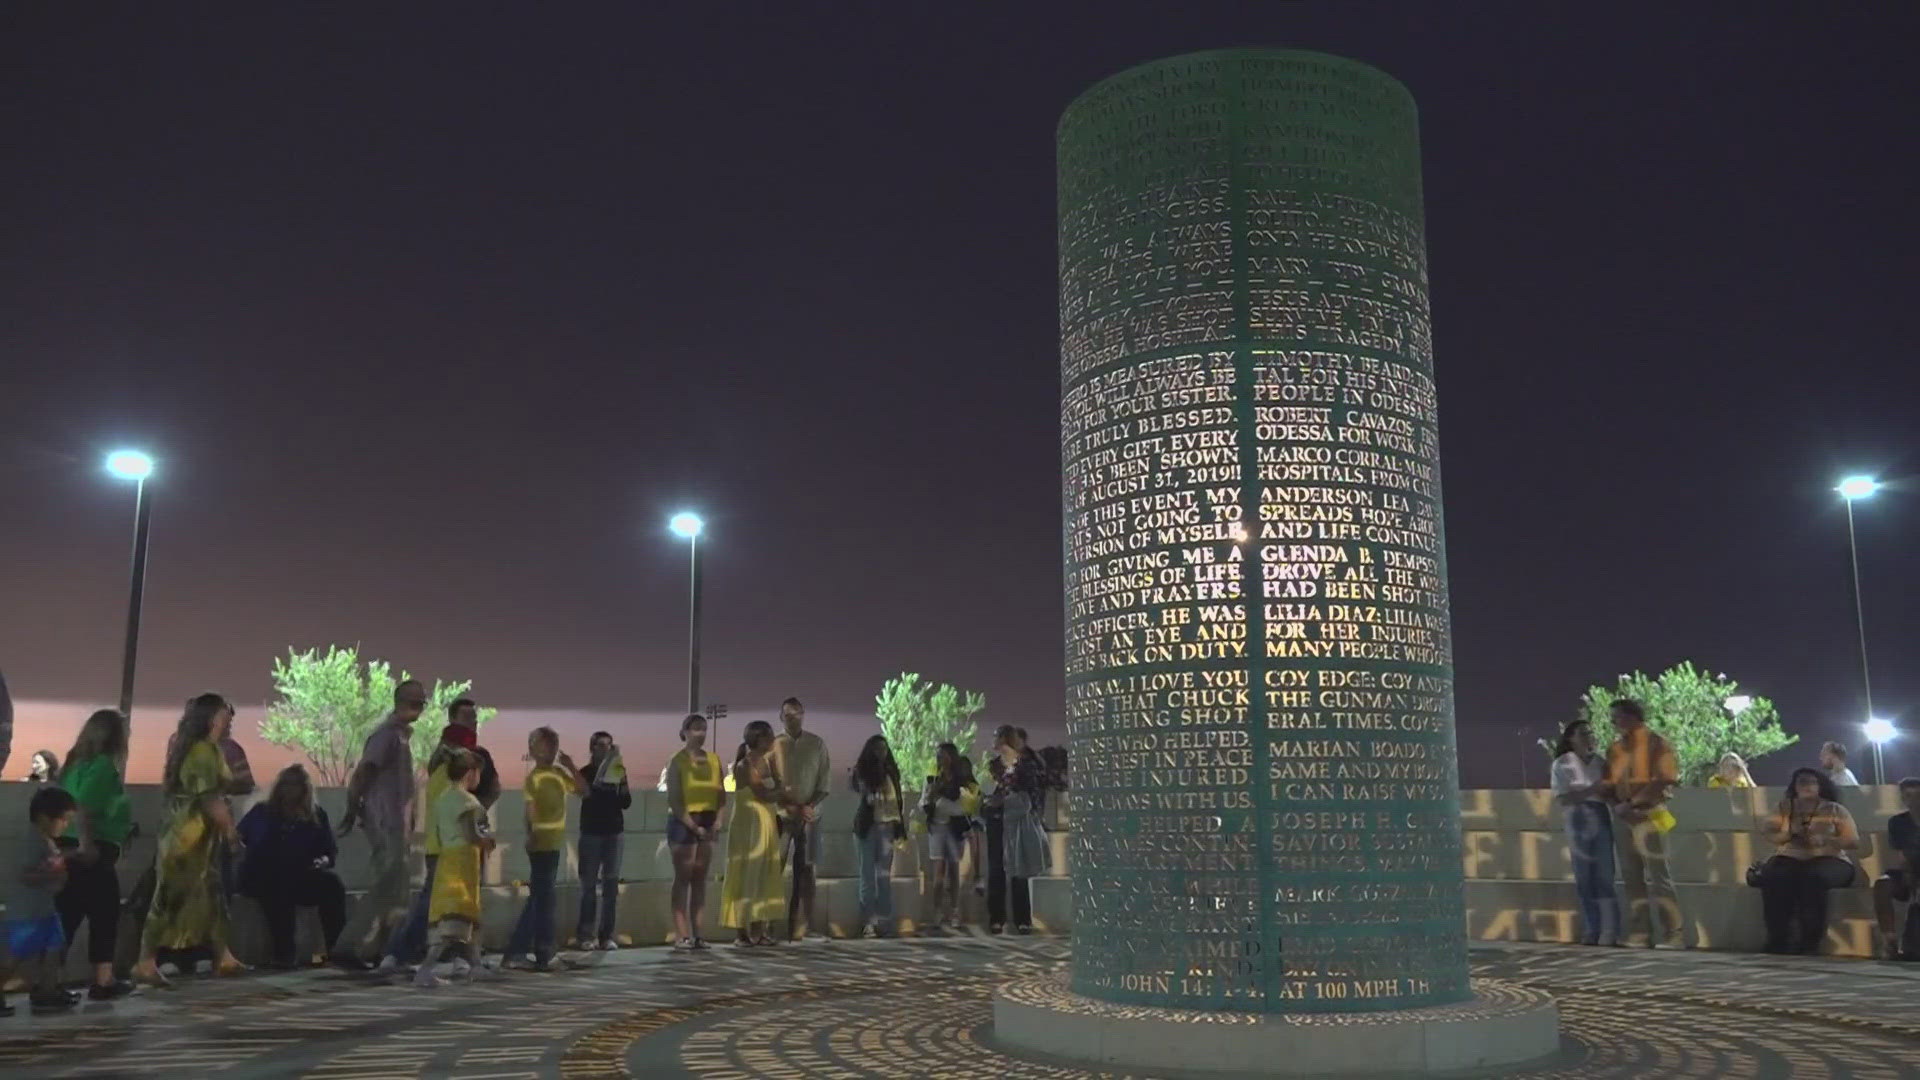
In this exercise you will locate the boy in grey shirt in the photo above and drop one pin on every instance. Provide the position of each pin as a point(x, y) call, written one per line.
point(34, 937)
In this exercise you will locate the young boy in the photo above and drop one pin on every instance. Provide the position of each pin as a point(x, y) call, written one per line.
point(459, 826)
point(33, 933)
point(552, 778)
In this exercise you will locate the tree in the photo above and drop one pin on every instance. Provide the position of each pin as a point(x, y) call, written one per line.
point(327, 703)
point(1689, 709)
point(917, 716)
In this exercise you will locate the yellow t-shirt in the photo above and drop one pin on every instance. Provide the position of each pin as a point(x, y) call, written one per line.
point(436, 787)
point(700, 784)
point(546, 788)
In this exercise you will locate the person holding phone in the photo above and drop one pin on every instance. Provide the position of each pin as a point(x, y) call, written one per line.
point(1815, 834)
point(289, 863)
point(603, 823)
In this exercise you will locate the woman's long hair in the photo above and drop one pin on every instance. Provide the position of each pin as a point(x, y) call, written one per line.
point(1828, 791)
point(963, 772)
point(104, 734)
point(1565, 745)
point(292, 795)
point(876, 765)
point(946, 767)
point(750, 736)
point(53, 765)
point(196, 723)
point(1739, 767)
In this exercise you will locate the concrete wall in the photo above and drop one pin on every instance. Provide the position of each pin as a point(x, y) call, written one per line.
point(1519, 882)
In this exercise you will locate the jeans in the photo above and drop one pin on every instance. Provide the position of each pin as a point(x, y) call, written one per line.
point(1793, 893)
point(1590, 843)
point(410, 941)
point(92, 894)
point(534, 932)
point(1642, 850)
point(876, 877)
point(599, 862)
point(281, 897)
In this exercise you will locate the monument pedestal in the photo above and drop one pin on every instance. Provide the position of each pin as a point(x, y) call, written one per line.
point(1503, 1025)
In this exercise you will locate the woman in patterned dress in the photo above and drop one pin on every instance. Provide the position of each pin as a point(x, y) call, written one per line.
point(189, 902)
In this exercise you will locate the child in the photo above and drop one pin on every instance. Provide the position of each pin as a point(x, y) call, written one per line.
point(459, 826)
point(548, 784)
point(33, 933)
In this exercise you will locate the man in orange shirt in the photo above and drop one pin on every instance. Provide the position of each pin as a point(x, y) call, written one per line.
point(1641, 771)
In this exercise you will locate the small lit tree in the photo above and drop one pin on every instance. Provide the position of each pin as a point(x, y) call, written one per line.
point(1689, 709)
point(327, 703)
point(917, 716)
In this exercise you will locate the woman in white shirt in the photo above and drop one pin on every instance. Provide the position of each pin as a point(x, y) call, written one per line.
point(1579, 786)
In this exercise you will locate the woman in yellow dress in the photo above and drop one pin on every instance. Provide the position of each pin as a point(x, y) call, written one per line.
point(189, 901)
point(753, 899)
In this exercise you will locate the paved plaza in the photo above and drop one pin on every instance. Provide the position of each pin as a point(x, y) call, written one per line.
point(917, 1008)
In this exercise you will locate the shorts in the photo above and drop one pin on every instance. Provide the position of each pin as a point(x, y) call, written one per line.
point(1902, 883)
point(943, 845)
point(26, 939)
point(678, 835)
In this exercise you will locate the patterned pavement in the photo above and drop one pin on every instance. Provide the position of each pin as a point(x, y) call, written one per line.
point(918, 1009)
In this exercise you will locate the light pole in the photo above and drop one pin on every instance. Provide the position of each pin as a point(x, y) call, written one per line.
point(135, 466)
point(690, 526)
point(1851, 488)
point(1878, 732)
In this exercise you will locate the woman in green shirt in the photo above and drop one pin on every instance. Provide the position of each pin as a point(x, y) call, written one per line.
point(92, 775)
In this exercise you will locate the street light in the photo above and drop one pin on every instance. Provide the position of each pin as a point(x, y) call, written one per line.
point(690, 526)
point(1850, 489)
point(135, 466)
point(1879, 732)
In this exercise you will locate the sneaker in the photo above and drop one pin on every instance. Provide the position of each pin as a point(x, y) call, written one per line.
point(459, 969)
point(118, 988)
point(53, 1001)
point(683, 945)
point(389, 965)
point(170, 970)
point(425, 979)
point(699, 943)
point(607, 944)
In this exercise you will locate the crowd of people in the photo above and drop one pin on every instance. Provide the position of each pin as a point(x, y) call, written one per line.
point(283, 852)
point(1614, 809)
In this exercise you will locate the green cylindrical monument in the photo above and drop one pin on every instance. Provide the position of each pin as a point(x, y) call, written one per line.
point(1260, 697)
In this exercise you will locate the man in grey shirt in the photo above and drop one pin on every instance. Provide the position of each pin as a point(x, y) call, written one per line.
point(380, 793)
point(1833, 760)
point(802, 760)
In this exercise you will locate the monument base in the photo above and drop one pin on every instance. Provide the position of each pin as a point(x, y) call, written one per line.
point(1502, 1025)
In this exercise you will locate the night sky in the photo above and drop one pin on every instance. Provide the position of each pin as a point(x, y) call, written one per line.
point(434, 312)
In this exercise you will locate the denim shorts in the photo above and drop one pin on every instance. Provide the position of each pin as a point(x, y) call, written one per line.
point(28, 938)
point(678, 835)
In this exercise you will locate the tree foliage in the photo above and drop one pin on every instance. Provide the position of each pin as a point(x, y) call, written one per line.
point(1689, 709)
point(917, 716)
point(326, 703)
